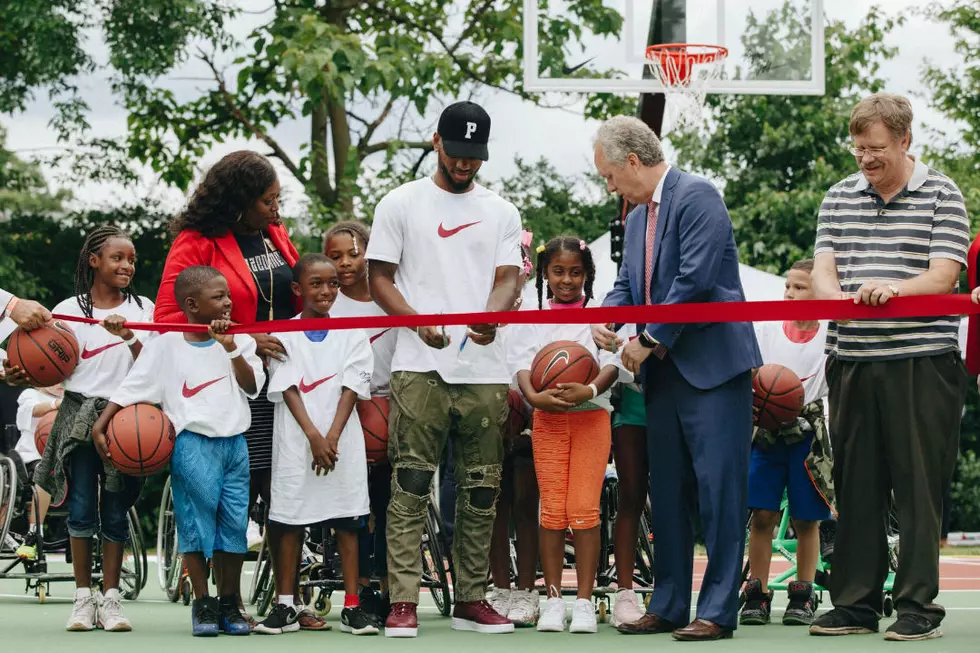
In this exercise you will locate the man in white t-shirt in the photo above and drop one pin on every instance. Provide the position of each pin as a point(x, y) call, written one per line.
point(445, 244)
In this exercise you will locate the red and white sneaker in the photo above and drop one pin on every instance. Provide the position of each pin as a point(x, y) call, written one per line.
point(403, 620)
point(480, 616)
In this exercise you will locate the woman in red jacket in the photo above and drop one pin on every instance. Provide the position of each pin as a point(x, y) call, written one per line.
point(232, 223)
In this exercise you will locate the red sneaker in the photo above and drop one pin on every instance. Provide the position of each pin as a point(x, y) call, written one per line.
point(403, 620)
point(481, 617)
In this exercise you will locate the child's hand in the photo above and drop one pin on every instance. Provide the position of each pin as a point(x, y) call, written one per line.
point(101, 443)
point(116, 325)
point(219, 331)
point(574, 393)
point(321, 453)
point(550, 401)
point(13, 375)
point(333, 443)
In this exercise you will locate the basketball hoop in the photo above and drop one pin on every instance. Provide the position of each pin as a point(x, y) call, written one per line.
point(684, 70)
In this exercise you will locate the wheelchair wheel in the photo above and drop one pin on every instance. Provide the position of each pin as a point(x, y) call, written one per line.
point(133, 576)
point(261, 563)
point(8, 496)
point(643, 567)
point(168, 560)
point(435, 564)
point(266, 585)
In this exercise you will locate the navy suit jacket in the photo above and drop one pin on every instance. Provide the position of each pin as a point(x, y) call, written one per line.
point(694, 260)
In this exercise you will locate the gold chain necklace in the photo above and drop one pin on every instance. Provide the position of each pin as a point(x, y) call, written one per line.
point(268, 260)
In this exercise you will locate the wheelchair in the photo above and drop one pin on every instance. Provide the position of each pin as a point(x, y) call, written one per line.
point(17, 495)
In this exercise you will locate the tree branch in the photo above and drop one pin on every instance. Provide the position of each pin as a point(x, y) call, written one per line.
point(469, 28)
point(418, 164)
point(248, 124)
point(362, 143)
point(381, 146)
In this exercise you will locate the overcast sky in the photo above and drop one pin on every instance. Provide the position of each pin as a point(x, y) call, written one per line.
point(519, 129)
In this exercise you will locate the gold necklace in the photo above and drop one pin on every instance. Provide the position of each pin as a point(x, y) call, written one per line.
point(268, 261)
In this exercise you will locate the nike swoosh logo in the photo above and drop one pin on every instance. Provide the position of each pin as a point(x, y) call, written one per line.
point(190, 392)
point(807, 378)
point(559, 356)
point(568, 70)
point(378, 335)
point(446, 233)
point(304, 388)
point(92, 353)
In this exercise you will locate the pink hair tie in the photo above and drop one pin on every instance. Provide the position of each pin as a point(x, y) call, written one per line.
point(581, 245)
point(526, 238)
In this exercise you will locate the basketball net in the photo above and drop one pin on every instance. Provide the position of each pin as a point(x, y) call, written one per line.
point(684, 70)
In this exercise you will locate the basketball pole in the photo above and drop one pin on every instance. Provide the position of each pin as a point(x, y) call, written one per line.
point(668, 24)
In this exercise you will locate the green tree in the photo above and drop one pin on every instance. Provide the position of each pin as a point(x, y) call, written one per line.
point(23, 188)
point(776, 155)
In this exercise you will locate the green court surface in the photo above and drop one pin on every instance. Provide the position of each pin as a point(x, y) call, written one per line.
point(163, 626)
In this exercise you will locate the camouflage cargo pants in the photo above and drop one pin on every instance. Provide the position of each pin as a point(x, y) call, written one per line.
point(425, 410)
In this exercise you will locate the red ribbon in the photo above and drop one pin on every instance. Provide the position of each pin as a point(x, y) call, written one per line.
point(836, 309)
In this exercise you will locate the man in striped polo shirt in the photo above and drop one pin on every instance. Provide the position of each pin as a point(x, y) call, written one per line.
point(897, 387)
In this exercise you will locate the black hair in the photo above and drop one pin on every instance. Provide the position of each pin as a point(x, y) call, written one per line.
point(85, 273)
point(228, 190)
point(190, 280)
point(307, 260)
point(571, 244)
point(352, 227)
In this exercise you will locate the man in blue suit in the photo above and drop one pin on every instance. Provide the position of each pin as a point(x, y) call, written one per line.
point(679, 249)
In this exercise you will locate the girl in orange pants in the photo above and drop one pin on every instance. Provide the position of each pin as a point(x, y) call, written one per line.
point(571, 434)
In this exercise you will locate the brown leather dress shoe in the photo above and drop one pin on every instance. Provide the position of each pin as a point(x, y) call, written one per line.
point(701, 630)
point(648, 624)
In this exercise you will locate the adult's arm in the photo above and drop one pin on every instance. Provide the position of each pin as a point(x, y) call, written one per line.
point(823, 278)
point(24, 312)
point(184, 253)
point(381, 280)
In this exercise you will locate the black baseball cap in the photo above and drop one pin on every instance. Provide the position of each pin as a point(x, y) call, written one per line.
point(465, 130)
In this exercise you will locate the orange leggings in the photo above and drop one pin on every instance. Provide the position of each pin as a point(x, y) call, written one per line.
point(570, 455)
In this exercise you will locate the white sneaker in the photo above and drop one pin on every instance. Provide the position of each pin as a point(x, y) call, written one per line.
point(84, 612)
point(525, 607)
point(500, 601)
point(111, 617)
point(552, 618)
point(626, 608)
point(583, 617)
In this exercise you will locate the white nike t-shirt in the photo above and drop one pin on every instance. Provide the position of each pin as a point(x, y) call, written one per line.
point(382, 340)
point(27, 423)
point(447, 247)
point(103, 359)
point(194, 383)
point(320, 371)
point(784, 344)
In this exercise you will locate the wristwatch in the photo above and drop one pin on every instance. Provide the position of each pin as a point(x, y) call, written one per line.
point(647, 340)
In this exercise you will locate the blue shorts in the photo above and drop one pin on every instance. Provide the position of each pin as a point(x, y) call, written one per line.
point(210, 479)
point(780, 467)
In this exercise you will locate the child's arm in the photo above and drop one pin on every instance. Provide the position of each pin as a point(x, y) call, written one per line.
point(244, 374)
point(344, 409)
point(549, 400)
point(322, 460)
point(98, 431)
point(116, 325)
point(43, 408)
point(578, 393)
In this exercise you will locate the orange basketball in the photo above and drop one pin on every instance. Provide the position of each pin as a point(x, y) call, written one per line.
point(373, 414)
point(48, 354)
point(43, 430)
point(777, 393)
point(141, 439)
point(517, 418)
point(563, 362)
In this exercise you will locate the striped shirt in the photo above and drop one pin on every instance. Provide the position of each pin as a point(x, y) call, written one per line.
point(874, 241)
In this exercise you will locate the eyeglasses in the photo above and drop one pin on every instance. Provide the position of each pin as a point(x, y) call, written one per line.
point(875, 152)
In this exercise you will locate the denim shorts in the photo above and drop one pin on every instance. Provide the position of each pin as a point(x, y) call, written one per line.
point(782, 467)
point(88, 515)
point(210, 479)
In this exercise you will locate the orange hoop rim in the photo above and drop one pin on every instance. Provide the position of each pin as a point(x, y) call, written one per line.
point(681, 51)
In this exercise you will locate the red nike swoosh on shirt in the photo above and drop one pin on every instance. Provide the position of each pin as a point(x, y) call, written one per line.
point(190, 392)
point(446, 233)
point(92, 353)
point(807, 378)
point(304, 388)
point(378, 335)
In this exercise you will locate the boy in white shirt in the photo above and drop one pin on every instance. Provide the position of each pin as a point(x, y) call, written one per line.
point(203, 382)
point(32, 405)
point(796, 459)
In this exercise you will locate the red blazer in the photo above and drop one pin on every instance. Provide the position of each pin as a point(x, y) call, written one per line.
point(973, 328)
point(191, 248)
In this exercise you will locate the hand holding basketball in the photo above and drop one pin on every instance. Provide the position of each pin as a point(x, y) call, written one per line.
point(549, 401)
point(29, 315)
point(13, 375)
point(574, 393)
point(219, 331)
point(101, 443)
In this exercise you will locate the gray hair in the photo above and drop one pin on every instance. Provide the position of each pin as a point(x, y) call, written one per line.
point(621, 135)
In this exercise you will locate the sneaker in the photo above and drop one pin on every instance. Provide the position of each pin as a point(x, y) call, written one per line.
point(525, 607)
point(802, 604)
point(626, 608)
point(374, 604)
point(844, 622)
point(84, 613)
point(230, 619)
point(357, 622)
point(479, 616)
point(28, 549)
point(552, 619)
point(204, 617)
point(500, 600)
point(282, 619)
point(583, 617)
point(911, 626)
point(111, 616)
point(758, 604)
point(403, 620)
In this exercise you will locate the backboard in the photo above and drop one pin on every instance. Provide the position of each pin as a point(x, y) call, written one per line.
point(775, 47)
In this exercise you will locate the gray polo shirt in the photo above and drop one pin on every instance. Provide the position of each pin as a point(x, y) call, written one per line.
point(872, 241)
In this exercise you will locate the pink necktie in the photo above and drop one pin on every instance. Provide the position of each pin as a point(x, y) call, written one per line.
point(652, 213)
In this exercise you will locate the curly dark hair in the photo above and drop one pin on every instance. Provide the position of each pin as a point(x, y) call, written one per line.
point(572, 244)
point(229, 188)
